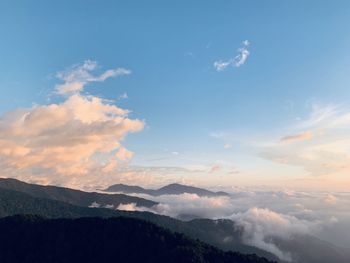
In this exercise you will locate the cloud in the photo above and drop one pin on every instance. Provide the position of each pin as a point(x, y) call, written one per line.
point(243, 54)
point(239, 60)
point(260, 224)
point(215, 168)
point(63, 140)
point(124, 154)
point(127, 207)
point(192, 205)
point(326, 154)
point(327, 116)
point(133, 207)
point(221, 65)
point(330, 199)
point(124, 96)
point(76, 77)
point(227, 145)
point(265, 216)
point(95, 205)
point(298, 137)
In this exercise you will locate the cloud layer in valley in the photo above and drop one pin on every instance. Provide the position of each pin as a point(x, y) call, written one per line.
point(264, 215)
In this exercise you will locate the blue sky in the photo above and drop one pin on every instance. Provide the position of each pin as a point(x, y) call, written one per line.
point(195, 117)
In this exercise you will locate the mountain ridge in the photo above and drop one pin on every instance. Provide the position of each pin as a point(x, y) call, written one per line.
point(15, 202)
point(73, 196)
point(170, 189)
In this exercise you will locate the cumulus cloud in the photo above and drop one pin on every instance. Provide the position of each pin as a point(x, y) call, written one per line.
point(239, 60)
point(265, 217)
point(259, 224)
point(66, 139)
point(77, 76)
point(192, 206)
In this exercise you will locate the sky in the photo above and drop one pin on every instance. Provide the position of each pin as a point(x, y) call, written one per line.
point(210, 93)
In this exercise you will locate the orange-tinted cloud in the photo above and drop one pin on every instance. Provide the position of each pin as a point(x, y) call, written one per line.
point(307, 135)
point(57, 142)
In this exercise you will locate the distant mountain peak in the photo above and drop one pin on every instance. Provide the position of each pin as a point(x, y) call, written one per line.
point(170, 189)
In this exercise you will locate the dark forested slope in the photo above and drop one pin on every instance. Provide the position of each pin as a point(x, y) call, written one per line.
point(34, 239)
point(72, 196)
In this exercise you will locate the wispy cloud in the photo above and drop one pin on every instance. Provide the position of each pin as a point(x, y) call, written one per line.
point(77, 76)
point(243, 54)
point(307, 135)
point(221, 65)
point(123, 96)
point(215, 168)
point(321, 150)
point(239, 60)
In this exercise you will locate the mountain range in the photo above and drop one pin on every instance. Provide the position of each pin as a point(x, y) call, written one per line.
point(17, 197)
point(71, 196)
point(171, 189)
point(14, 202)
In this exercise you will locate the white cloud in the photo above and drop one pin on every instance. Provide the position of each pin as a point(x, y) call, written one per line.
point(133, 207)
point(124, 96)
point(127, 207)
point(221, 65)
point(265, 216)
point(95, 205)
point(261, 224)
point(239, 60)
point(192, 205)
point(243, 54)
point(77, 76)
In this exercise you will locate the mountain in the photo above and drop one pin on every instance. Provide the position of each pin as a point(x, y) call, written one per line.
point(222, 233)
point(34, 239)
point(171, 189)
point(71, 196)
point(308, 248)
point(15, 202)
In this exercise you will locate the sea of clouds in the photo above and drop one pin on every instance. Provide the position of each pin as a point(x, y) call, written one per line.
point(265, 215)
